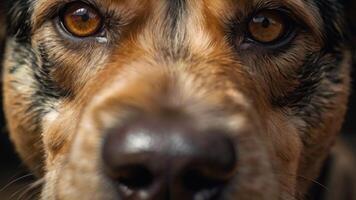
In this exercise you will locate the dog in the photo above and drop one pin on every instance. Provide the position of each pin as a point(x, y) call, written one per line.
point(177, 99)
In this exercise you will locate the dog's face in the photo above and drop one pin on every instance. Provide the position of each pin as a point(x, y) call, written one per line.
point(175, 99)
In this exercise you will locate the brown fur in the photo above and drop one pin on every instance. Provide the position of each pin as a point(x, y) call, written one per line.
point(194, 72)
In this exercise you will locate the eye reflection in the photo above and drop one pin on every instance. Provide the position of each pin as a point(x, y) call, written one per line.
point(81, 20)
point(267, 27)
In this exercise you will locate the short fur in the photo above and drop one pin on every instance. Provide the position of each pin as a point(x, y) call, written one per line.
point(284, 105)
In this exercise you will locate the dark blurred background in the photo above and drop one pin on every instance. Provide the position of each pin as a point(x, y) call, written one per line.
point(14, 179)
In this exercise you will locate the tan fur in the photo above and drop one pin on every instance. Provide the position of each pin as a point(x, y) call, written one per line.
point(211, 86)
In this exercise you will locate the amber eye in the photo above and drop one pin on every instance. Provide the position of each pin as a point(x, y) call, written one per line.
point(267, 26)
point(81, 20)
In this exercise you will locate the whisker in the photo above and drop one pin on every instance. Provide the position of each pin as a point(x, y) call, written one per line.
point(314, 181)
point(34, 188)
point(310, 180)
point(305, 179)
point(16, 193)
point(15, 181)
point(34, 195)
point(21, 193)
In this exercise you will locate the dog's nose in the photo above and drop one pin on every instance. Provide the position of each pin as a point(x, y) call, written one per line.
point(163, 159)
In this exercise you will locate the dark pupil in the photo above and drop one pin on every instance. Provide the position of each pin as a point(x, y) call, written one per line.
point(82, 14)
point(264, 21)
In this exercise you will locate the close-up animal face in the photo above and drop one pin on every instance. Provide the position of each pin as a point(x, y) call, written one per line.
point(175, 99)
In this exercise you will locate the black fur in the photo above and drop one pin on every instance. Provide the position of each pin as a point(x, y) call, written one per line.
point(317, 67)
point(331, 14)
point(306, 101)
point(19, 24)
point(311, 98)
point(175, 14)
point(176, 9)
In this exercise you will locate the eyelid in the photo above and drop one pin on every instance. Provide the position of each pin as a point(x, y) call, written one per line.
point(52, 10)
point(296, 18)
point(282, 10)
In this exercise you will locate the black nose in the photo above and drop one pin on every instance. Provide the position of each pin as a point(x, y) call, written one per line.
point(167, 159)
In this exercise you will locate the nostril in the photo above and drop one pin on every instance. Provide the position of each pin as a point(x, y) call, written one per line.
point(196, 181)
point(136, 177)
point(210, 170)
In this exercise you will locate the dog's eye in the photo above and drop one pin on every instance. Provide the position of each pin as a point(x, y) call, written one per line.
point(81, 20)
point(267, 27)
